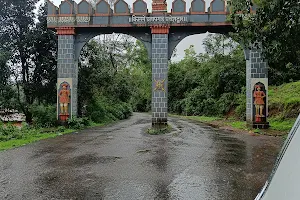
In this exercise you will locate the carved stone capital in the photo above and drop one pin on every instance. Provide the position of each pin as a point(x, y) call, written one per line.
point(160, 29)
point(65, 31)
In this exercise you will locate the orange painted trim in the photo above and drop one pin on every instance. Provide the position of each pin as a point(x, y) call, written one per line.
point(146, 14)
point(211, 6)
point(178, 12)
point(198, 13)
point(83, 15)
point(90, 8)
point(218, 13)
point(136, 2)
point(66, 15)
point(70, 6)
point(65, 31)
point(192, 6)
point(121, 13)
point(102, 14)
point(160, 29)
point(145, 25)
point(160, 13)
point(159, 7)
point(121, 25)
point(52, 15)
point(211, 24)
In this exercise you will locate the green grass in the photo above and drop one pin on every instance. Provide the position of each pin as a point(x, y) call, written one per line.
point(281, 125)
point(284, 100)
point(203, 118)
point(30, 138)
point(160, 131)
point(238, 124)
point(25, 136)
point(285, 94)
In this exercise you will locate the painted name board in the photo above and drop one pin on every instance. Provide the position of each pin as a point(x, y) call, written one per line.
point(152, 20)
point(71, 19)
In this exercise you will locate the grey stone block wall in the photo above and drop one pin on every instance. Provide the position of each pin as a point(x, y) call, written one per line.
point(67, 67)
point(159, 73)
point(256, 71)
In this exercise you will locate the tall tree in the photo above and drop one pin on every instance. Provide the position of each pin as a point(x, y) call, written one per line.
point(33, 52)
point(276, 24)
point(44, 53)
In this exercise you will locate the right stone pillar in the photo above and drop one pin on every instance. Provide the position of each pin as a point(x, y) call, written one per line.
point(256, 88)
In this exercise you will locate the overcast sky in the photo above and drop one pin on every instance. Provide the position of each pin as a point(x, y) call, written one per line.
point(195, 40)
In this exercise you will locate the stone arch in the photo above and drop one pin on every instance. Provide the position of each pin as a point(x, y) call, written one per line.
point(65, 8)
point(83, 38)
point(84, 7)
point(176, 37)
point(197, 6)
point(140, 6)
point(121, 8)
point(102, 8)
point(178, 6)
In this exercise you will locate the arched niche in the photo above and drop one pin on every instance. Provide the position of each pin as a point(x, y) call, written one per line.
point(52, 9)
point(121, 7)
point(217, 6)
point(102, 8)
point(259, 102)
point(84, 7)
point(65, 8)
point(197, 6)
point(140, 6)
point(178, 6)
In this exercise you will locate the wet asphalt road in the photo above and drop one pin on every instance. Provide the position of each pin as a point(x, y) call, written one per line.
point(122, 162)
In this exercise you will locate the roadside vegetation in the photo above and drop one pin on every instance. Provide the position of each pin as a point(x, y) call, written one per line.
point(114, 77)
point(115, 73)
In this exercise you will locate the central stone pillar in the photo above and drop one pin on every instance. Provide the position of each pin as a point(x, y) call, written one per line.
point(159, 75)
point(67, 74)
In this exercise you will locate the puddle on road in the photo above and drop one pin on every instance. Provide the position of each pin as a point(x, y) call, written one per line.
point(234, 167)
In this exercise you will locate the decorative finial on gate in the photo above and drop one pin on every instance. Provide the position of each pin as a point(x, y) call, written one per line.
point(159, 6)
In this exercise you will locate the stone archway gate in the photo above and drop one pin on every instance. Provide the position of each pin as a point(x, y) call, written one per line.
point(160, 31)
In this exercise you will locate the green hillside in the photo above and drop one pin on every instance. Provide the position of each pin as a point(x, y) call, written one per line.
point(284, 100)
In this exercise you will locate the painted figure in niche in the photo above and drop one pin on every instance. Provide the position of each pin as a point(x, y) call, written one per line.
point(64, 98)
point(259, 102)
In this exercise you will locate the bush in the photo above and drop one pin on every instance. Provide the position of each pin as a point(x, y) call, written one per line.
point(78, 123)
point(103, 109)
point(240, 111)
point(10, 132)
point(225, 103)
point(44, 116)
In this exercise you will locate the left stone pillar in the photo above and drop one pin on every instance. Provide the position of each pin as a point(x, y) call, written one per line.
point(159, 76)
point(67, 74)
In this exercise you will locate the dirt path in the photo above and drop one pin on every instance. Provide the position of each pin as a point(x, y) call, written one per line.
point(122, 162)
